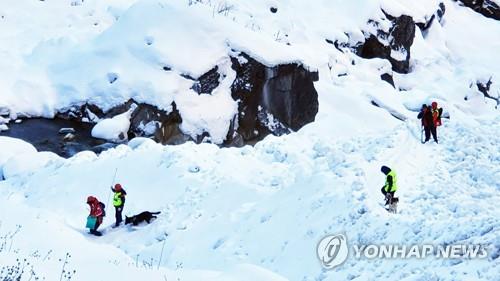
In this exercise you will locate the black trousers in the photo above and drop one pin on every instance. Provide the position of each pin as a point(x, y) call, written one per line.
point(430, 130)
point(118, 215)
point(97, 224)
point(385, 194)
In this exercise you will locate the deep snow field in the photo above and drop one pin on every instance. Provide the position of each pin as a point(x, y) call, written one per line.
point(257, 212)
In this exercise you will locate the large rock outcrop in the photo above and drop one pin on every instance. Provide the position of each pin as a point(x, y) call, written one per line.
point(393, 45)
point(272, 100)
point(275, 100)
point(487, 8)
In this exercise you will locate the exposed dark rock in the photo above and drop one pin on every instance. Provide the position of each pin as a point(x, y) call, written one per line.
point(485, 89)
point(273, 10)
point(247, 90)
point(146, 120)
point(119, 109)
point(289, 95)
point(402, 32)
point(233, 138)
point(85, 113)
point(487, 8)
point(385, 44)
point(441, 11)
point(424, 26)
point(149, 121)
point(388, 78)
point(236, 141)
point(187, 76)
point(272, 99)
point(373, 48)
point(207, 82)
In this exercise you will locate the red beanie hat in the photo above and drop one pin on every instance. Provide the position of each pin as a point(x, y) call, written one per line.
point(118, 187)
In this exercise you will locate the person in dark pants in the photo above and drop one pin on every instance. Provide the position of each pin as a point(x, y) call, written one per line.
point(428, 123)
point(390, 186)
point(118, 202)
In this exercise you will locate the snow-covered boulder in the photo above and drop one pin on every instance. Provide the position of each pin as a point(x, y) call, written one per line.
point(11, 147)
point(113, 129)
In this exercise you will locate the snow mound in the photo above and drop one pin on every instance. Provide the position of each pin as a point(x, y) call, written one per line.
point(10, 147)
point(29, 162)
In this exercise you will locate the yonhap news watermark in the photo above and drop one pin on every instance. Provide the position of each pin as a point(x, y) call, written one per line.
point(333, 250)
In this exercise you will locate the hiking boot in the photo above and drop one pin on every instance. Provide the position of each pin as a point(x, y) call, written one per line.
point(95, 232)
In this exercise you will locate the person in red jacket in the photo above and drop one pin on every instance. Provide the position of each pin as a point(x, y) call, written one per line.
point(436, 114)
point(97, 211)
point(428, 123)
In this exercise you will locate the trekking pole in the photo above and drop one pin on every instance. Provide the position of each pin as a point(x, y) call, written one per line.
point(109, 193)
point(161, 254)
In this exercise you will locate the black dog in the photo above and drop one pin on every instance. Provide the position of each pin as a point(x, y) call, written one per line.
point(144, 216)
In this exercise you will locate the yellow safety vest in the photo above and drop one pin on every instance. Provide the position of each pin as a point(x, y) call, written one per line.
point(394, 182)
point(117, 199)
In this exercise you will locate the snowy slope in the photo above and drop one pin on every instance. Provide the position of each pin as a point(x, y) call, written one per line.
point(255, 213)
point(282, 199)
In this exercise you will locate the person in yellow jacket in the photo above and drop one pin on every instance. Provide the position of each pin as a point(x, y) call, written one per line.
point(118, 202)
point(390, 186)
